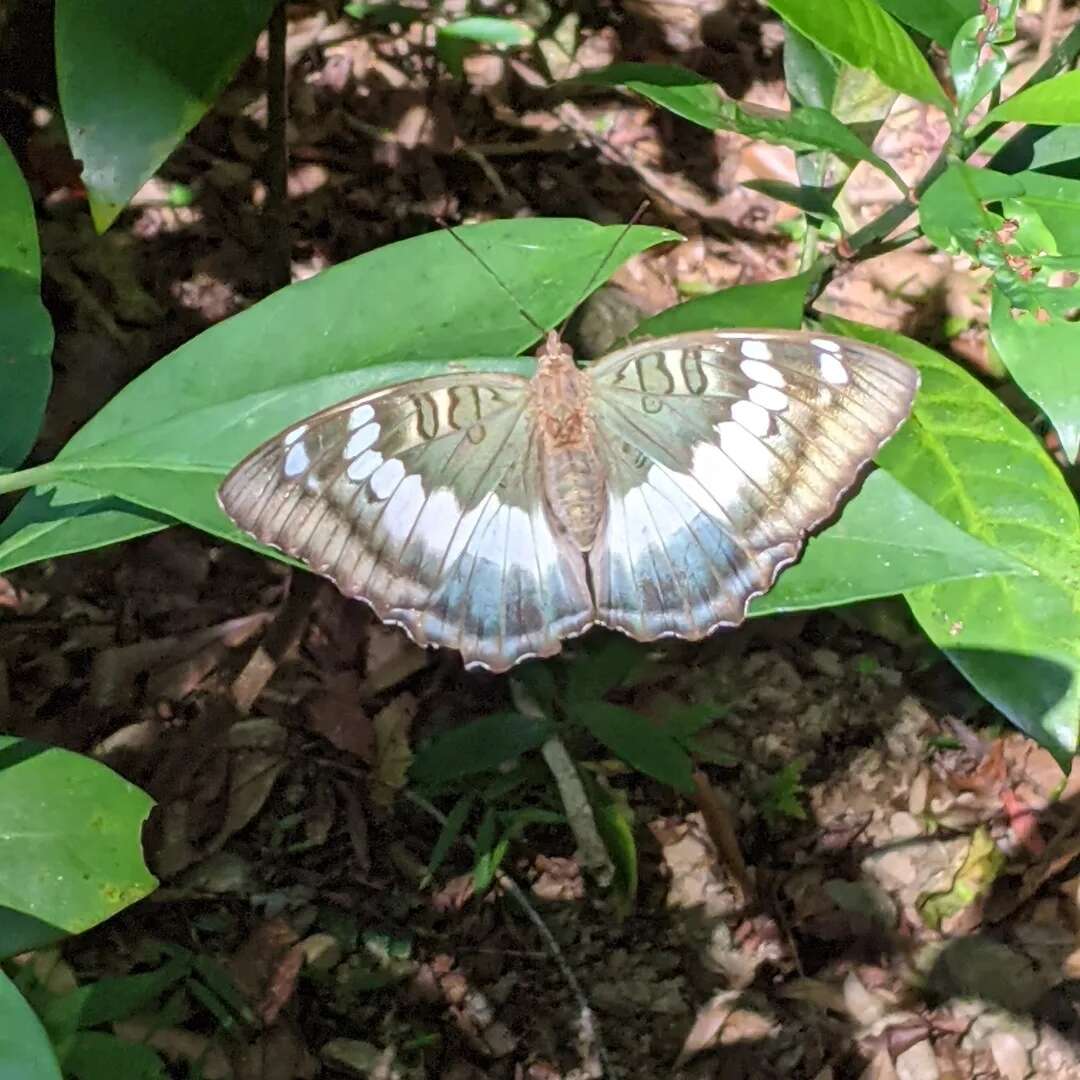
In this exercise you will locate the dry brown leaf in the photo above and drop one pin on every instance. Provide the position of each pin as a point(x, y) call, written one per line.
point(177, 1044)
point(393, 754)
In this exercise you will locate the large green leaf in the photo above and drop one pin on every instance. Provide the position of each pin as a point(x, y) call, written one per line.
point(698, 100)
point(1016, 638)
point(954, 214)
point(1056, 200)
point(952, 211)
point(774, 305)
point(26, 334)
point(1037, 146)
point(937, 19)
point(1041, 357)
point(25, 1052)
point(638, 742)
point(887, 541)
point(1055, 101)
point(200, 408)
point(479, 746)
point(809, 72)
point(134, 78)
point(69, 837)
point(864, 36)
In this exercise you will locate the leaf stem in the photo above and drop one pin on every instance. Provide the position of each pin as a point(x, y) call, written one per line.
point(27, 478)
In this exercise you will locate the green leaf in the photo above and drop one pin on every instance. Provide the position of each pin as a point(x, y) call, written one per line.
point(26, 333)
point(615, 824)
point(111, 999)
point(951, 210)
point(887, 541)
point(449, 833)
point(485, 30)
point(21, 933)
point(479, 746)
point(810, 73)
point(771, 304)
point(488, 853)
point(1016, 638)
point(69, 836)
point(1041, 357)
point(698, 100)
point(815, 201)
point(1036, 146)
point(95, 1055)
point(937, 19)
point(25, 1052)
point(632, 738)
point(1054, 101)
point(976, 64)
point(456, 40)
point(956, 215)
point(864, 36)
point(982, 865)
point(134, 78)
point(425, 299)
point(782, 794)
point(1057, 202)
point(388, 14)
point(604, 664)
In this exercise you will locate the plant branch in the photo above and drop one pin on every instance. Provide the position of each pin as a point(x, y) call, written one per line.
point(278, 248)
point(590, 1031)
point(870, 241)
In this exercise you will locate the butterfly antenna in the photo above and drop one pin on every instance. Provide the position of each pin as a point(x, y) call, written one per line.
point(638, 213)
point(541, 330)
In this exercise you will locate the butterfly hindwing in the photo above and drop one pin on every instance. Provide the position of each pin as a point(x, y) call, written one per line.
point(723, 451)
point(424, 500)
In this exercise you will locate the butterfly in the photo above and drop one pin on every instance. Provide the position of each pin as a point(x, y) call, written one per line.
point(656, 492)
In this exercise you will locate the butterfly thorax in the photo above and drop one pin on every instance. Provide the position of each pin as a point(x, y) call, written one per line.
point(572, 475)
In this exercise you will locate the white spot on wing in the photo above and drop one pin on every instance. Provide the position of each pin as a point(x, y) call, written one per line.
point(296, 461)
point(387, 477)
point(639, 523)
point(717, 474)
point(832, 369)
point(768, 397)
point(519, 542)
point(762, 373)
point(468, 523)
point(360, 416)
point(756, 349)
point(364, 466)
point(748, 453)
point(826, 344)
point(752, 417)
point(360, 440)
point(295, 434)
point(404, 508)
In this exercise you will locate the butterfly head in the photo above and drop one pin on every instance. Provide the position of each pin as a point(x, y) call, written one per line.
point(554, 353)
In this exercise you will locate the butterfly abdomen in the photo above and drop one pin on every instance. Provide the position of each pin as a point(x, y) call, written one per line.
point(574, 489)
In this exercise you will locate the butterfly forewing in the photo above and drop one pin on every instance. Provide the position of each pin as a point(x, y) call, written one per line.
point(724, 450)
point(424, 500)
